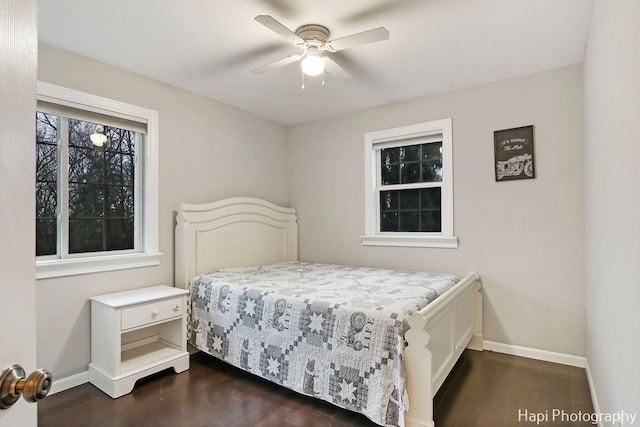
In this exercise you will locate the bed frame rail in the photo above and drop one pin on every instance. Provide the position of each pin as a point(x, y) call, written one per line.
point(438, 335)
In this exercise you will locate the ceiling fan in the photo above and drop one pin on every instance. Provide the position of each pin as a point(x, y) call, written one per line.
point(313, 41)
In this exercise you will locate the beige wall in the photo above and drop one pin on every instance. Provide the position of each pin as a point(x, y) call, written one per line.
point(612, 150)
point(525, 238)
point(208, 151)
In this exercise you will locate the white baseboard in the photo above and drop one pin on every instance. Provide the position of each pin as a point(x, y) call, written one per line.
point(534, 353)
point(66, 383)
point(592, 389)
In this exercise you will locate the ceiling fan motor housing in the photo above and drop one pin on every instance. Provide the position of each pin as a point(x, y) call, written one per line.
point(313, 34)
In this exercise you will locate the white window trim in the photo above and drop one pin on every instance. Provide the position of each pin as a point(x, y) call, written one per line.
point(149, 254)
point(373, 141)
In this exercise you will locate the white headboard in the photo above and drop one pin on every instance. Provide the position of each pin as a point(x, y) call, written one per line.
point(235, 232)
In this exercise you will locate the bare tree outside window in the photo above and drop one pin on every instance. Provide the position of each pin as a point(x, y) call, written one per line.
point(46, 183)
point(99, 184)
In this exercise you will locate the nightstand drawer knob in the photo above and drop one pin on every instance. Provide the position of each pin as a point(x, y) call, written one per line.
point(176, 307)
point(155, 313)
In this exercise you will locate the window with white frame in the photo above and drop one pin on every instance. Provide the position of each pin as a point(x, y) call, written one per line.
point(96, 184)
point(409, 186)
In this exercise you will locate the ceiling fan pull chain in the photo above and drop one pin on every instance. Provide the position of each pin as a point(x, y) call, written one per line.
point(302, 79)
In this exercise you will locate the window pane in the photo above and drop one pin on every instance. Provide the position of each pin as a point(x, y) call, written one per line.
point(431, 162)
point(431, 221)
point(46, 183)
point(432, 151)
point(390, 174)
point(46, 237)
point(416, 210)
point(85, 235)
point(432, 171)
point(120, 202)
point(101, 190)
point(98, 235)
point(390, 155)
point(410, 153)
point(389, 221)
point(86, 201)
point(46, 128)
point(409, 199)
point(46, 162)
point(409, 173)
point(86, 165)
point(388, 200)
point(46, 199)
point(80, 133)
point(120, 140)
point(409, 221)
point(390, 166)
point(120, 234)
point(120, 168)
point(430, 198)
point(411, 164)
point(431, 210)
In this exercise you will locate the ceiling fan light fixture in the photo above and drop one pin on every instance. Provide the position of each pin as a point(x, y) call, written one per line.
point(98, 138)
point(312, 64)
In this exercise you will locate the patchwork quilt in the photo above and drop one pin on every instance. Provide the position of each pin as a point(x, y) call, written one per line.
point(328, 331)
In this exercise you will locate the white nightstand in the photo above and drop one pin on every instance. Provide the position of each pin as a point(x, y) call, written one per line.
point(135, 334)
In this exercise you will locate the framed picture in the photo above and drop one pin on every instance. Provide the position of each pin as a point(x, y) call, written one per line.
point(513, 152)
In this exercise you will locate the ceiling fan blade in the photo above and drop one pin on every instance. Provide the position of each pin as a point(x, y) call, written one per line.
point(279, 63)
point(336, 70)
point(241, 58)
point(369, 36)
point(278, 28)
point(282, 7)
point(381, 10)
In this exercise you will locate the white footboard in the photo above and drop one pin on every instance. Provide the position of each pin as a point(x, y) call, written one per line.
point(439, 334)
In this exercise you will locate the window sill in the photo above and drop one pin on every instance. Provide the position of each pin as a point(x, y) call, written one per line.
point(410, 241)
point(47, 269)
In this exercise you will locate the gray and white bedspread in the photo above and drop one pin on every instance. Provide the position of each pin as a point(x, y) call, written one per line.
point(327, 331)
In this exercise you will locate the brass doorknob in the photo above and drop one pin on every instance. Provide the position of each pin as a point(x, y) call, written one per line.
point(13, 384)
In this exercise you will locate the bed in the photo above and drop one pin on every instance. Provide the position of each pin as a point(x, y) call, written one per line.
point(250, 307)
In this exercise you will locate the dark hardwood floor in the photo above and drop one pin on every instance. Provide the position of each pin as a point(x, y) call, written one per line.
point(484, 389)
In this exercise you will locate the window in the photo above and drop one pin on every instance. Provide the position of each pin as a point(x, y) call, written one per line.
point(409, 188)
point(96, 201)
point(98, 190)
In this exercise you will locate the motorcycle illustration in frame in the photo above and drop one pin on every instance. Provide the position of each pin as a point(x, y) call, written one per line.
point(514, 156)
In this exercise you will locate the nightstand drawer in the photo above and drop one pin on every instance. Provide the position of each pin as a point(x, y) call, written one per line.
point(149, 313)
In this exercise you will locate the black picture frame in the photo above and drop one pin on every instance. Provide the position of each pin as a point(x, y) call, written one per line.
point(513, 153)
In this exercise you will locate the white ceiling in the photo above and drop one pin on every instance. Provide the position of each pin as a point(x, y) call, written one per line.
point(210, 46)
